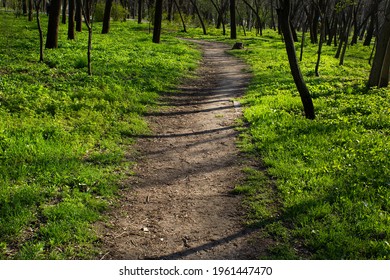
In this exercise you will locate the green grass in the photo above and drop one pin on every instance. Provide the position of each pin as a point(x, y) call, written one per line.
point(331, 174)
point(64, 135)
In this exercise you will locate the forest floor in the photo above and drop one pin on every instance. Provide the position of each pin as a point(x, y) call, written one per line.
point(179, 204)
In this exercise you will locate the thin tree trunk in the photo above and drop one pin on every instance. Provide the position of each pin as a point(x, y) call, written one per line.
point(64, 5)
point(78, 15)
point(302, 41)
point(140, 6)
point(30, 10)
point(52, 29)
point(199, 16)
point(220, 18)
point(71, 34)
point(170, 10)
point(87, 12)
point(157, 21)
point(322, 39)
point(273, 25)
point(106, 17)
point(284, 22)
point(181, 16)
point(342, 56)
point(233, 29)
point(370, 32)
point(37, 8)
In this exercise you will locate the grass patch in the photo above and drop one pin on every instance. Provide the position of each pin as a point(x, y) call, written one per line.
point(64, 134)
point(331, 174)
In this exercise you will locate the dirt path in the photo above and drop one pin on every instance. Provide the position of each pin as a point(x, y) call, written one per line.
point(179, 205)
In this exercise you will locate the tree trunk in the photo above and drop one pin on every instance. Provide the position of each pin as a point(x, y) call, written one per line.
point(52, 29)
point(322, 39)
point(78, 15)
point(64, 5)
point(273, 25)
point(284, 22)
point(170, 10)
point(379, 75)
point(258, 19)
point(181, 16)
point(37, 8)
point(30, 10)
point(314, 27)
point(71, 34)
point(199, 16)
point(370, 32)
point(233, 29)
point(333, 29)
point(24, 7)
point(349, 24)
point(302, 41)
point(140, 8)
point(157, 21)
point(106, 17)
point(87, 12)
point(220, 18)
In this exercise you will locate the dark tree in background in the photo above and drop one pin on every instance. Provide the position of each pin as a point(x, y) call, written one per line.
point(284, 22)
point(64, 5)
point(52, 29)
point(30, 10)
point(37, 4)
point(199, 16)
point(181, 16)
point(140, 8)
point(379, 75)
point(71, 22)
point(233, 30)
point(157, 21)
point(78, 15)
point(106, 17)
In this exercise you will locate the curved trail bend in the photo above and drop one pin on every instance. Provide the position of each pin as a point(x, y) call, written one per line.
point(179, 205)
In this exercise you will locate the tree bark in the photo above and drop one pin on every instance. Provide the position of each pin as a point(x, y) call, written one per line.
point(181, 16)
point(30, 10)
point(233, 29)
point(52, 29)
point(140, 8)
point(199, 16)
point(37, 8)
point(78, 15)
point(157, 21)
point(379, 75)
point(344, 49)
point(87, 12)
point(106, 17)
point(71, 26)
point(284, 21)
point(64, 5)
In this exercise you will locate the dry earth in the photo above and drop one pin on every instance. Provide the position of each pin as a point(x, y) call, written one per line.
point(179, 204)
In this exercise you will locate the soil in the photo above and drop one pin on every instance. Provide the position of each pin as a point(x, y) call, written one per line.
point(179, 203)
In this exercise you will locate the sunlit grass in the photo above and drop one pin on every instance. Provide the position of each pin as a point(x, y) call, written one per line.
point(64, 135)
point(331, 174)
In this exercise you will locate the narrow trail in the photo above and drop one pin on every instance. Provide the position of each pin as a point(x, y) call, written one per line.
point(179, 204)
